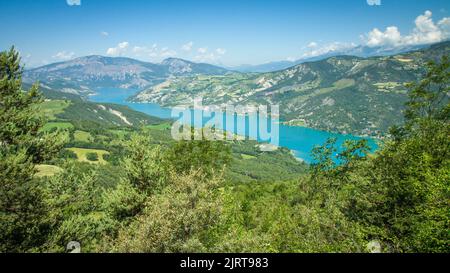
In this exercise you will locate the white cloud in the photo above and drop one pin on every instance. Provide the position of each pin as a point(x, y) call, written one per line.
point(104, 34)
point(73, 2)
point(374, 2)
point(291, 59)
point(140, 51)
point(221, 51)
point(207, 58)
point(312, 45)
point(202, 50)
point(425, 32)
point(317, 50)
point(64, 56)
point(166, 52)
point(187, 47)
point(444, 26)
point(153, 52)
point(391, 36)
point(210, 57)
point(119, 50)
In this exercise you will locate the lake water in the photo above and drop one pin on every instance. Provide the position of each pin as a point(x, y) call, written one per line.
point(300, 140)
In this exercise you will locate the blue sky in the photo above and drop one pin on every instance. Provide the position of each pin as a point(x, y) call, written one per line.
point(230, 32)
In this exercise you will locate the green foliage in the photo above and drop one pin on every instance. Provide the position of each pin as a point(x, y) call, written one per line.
point(156, 195)
point(323, 158)
point(22, 210)
point(92, 156)
point(428, 99)
point(75, 202)
point(209, 156)
point(124, 202)
point(401, 196)
point(177, 219)
point(144, 165)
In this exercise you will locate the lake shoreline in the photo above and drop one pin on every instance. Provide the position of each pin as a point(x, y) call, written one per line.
point(298, 139)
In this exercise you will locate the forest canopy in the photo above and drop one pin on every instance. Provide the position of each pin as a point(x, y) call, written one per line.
point(144, 194)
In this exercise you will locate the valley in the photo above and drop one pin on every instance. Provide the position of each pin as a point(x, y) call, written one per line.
point(205, 129)
point(343, 94)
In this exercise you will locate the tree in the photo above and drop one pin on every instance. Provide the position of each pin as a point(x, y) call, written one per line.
point(76, 209)
point(92, 156)
point(22, 210)
point(209, 156)
point(323, 158)
point(428, 99)
point(402, 194)
point(144, 165)
point(177, 219)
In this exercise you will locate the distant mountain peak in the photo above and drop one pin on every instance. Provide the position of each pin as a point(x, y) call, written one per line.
point(172, 60)
point(84, 75)
point(177, 66)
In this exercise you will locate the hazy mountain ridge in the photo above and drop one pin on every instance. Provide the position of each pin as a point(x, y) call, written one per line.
point(85, 74)
point(358, 51)
point(347, 94)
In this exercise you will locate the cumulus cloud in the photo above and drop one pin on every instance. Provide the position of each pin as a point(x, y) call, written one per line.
point(424, 32)
point(166, 52)
point(63, 56)
point(73, 2)
point(202, 50)
point(143, 51)
point(119, 50)
point(221, 51)
point(316, 50)
point(153, 51)
point(291, 59)
point(187, 47)
point(209, 57)
point(374, 2)
point(312, 45)
point(444, 26)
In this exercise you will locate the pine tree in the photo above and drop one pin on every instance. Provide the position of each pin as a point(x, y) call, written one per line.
point(22, 210)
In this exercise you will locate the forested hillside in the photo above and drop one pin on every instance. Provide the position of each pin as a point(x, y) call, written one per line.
point(346, 94)
point(68, 175)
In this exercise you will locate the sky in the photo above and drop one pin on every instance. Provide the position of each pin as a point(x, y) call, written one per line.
point(225, 32)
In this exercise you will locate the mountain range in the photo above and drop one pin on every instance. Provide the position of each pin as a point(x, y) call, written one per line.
point(84, 75)
point(358, 51)
point(345, 94)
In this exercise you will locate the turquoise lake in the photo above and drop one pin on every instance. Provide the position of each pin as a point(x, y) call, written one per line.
point(299, 140)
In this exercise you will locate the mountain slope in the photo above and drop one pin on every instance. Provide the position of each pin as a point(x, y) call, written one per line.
point(62, 107)
point(84, 75)
point(346, 94)
point(358, 51)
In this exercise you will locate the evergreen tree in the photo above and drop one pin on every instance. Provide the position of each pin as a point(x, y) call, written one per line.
point(22, 211)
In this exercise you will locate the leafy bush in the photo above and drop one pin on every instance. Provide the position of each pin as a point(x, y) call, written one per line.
point(92, 156)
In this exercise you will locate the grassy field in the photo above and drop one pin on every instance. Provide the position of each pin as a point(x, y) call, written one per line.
point(59, 125)
point(121, 134)
point(82, 155)
point(51, 108)
point(82, 136)
point(47, 170)
point(246, 156)
point(161, 127)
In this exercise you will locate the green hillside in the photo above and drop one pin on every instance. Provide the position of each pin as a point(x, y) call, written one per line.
point(68, 175)
point(362, 96)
